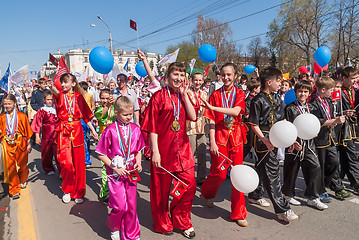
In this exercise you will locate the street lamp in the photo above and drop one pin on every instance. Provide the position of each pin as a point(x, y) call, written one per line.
point(108, 29)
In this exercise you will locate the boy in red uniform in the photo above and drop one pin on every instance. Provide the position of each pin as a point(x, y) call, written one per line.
point(227, 134)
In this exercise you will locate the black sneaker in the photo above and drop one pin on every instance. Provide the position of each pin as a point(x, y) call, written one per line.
point(342, 194)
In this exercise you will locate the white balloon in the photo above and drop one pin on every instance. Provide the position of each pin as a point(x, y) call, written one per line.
point(244, 178)
point(308, 126)
point(282, 134)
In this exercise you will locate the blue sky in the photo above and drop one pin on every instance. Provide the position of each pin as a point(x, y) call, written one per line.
point(31, 29)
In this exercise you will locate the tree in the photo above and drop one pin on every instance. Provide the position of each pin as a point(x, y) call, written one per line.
point(187, 52)
point(345, 35)
point(219, 35)
point(258, 53)
point(300, 28)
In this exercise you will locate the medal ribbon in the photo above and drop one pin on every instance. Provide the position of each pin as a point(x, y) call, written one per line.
point(125, 146)
point(176, 112)
point(228, 102)
point(11, 123)
point(352, 99)
point(300, 109)
point(325, 106)
point(70, 105)
point(108, 114)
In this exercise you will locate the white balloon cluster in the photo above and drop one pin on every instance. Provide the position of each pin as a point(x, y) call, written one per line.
point(282, 135)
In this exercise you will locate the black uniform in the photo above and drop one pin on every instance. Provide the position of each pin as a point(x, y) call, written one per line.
point(266, 109)
point(326, 143)
point(348, 159)
point(250, 134)
point(307, 158)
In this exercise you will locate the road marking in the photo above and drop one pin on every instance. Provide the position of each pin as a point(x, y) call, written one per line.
point(354, 200)
point(25, 217)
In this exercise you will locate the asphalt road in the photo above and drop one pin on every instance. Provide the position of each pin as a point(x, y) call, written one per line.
point(51, 219)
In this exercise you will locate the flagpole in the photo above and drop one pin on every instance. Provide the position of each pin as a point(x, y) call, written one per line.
point(138, 41)
point(173, 175)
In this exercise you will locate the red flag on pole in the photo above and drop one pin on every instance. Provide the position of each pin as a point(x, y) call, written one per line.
point(336, 96)
point(61, 69)
point(224, 165)
point(134, 176)
point(53, 60)
point(133, 25)
point(205, 73)
point(179, 189)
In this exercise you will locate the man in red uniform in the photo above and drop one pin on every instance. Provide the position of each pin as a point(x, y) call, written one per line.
point(226, 134)
point(165, 120)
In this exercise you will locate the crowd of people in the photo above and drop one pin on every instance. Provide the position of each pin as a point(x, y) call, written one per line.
point(172, 123)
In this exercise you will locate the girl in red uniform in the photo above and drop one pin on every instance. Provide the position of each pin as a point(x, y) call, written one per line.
point(165, 120)
point(71, 107)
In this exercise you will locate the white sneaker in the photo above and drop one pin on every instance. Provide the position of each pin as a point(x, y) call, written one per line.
point(288, 216)
point(261, 202)
point(79, 200)
point(115, 235)
point(292, 201)
point(317, 204)
point(23, 185)
point(66, 198)
point(50, 173)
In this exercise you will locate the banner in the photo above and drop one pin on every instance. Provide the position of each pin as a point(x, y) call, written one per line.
point(4, 82)
point(169, 58)
point(20, 76)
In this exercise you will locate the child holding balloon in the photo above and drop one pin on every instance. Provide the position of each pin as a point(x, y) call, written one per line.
point(326, 142)
point(227, 134)
point(266, 110)
point(302, 153)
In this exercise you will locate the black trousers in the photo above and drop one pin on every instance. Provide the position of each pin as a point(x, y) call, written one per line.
point(329, 164)
point(269, 179)
point(307, 159)
point(349, 163)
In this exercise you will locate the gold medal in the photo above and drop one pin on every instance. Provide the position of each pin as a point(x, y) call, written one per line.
point(228, 122)
point(175, 126)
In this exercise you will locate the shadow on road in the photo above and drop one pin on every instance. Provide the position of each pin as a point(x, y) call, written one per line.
point(95, 215)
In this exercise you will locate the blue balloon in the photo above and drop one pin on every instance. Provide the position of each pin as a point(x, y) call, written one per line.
point(101, 60)
point(140, 69)
point(322, 56)
point(207, 53)
point(249, 69)
point(289, 97)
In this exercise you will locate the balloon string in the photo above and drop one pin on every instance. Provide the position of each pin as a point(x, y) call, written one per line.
point(262, 158)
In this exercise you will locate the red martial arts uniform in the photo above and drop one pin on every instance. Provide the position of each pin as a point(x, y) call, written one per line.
point(147, 150)
point(15, 155)
point(176, 157)
point(230, 143)
point(48, 121)
point(70, 144)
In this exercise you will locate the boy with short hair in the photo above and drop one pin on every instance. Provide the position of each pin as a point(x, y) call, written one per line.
point(302, 153)
point(327, 140)
point(348, 158)
point(267, 109)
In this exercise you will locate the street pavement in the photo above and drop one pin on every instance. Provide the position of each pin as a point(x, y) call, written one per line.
point(40, 213)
